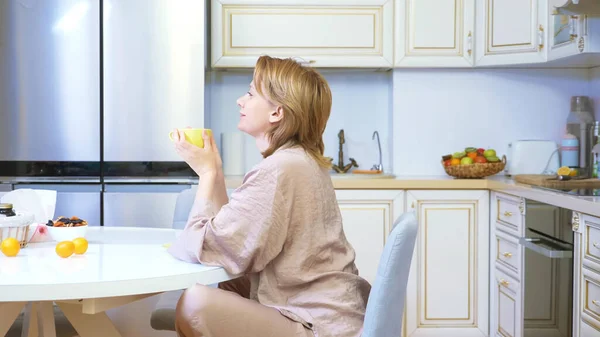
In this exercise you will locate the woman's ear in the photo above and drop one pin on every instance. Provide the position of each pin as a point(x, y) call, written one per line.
point(276, 115)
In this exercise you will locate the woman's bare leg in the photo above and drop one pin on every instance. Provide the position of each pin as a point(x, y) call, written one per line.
point(212, 312)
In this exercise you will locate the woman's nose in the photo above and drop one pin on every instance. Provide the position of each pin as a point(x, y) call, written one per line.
point(240, 102)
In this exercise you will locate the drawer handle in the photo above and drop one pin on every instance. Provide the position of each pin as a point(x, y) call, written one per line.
point(596, 302)
point(504, 282)
point(507, 213)
point(507, 254)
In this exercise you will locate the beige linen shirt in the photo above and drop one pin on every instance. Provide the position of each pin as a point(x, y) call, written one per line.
point(283, 228)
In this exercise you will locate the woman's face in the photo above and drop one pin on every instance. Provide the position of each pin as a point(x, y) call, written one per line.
point(257, 114)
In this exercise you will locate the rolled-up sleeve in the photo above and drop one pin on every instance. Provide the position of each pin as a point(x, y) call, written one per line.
point(245, 234)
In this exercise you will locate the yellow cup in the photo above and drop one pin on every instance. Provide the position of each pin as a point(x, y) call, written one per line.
point(194, 136)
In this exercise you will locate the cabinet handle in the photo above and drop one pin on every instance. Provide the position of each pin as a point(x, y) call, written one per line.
point(596, 303)
point(507, 254)
point(470, 43)
point(596, 245)
point(573, 34)
point(504, 282)
point(412, 205)
point(541, 37)
point(507, 213)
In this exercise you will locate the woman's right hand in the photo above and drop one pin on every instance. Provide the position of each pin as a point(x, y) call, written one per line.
point(203, 161)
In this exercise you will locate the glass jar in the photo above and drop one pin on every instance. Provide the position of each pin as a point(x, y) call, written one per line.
point(7, 210)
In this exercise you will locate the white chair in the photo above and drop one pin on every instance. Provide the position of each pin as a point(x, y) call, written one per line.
point(163, 316)
point(386, 301)
point(385, 308)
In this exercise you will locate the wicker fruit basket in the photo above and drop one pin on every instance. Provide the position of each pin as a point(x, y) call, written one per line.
point(16, 227)
point(475, 171)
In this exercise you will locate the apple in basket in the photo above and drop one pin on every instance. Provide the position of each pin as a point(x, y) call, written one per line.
point(67, 229)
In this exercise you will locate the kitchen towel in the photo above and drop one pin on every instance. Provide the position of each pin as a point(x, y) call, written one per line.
point(232, 153)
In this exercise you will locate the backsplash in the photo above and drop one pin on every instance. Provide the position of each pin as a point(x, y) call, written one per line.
point(427, 112)
point(361, 105)
point(442, 111)
point(595, 90)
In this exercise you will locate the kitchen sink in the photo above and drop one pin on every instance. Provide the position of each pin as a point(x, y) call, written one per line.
point(361, 176)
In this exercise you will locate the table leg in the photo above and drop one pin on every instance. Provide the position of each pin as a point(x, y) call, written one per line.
point(45, 319)
point(88, 325)
point(9, 311)
point(29, 328)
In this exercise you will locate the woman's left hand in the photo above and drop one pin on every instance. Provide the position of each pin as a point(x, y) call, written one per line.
point(205, 160)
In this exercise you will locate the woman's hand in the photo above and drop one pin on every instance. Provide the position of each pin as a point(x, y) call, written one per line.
point(203, 161)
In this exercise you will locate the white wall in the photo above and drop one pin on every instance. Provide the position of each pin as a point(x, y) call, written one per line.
point(437, 112)
point(361, 105)
point(595, 90)
point(428, 113)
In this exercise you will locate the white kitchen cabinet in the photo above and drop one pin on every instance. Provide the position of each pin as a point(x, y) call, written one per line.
point(563, 33)
point(506, 265)
point(447, 293)
point(527, 296)
point(435, 33)
point(320, 33)
point(511, 32)
point(368, 216)
point(586, 290)
point(573, 39)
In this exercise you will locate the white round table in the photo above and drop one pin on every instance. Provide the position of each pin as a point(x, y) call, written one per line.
point(122, 265)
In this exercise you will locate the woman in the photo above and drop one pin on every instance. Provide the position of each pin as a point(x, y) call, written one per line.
point(281, 229)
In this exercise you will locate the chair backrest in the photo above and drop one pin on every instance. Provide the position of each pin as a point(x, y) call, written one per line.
point(183, 205)
point(386, 301)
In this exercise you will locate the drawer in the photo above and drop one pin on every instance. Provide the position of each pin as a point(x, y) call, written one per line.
point(508, 214)
point(592, 240)
point(508, 253)
point(506, 306)
point(508, 283)
point(591, 293)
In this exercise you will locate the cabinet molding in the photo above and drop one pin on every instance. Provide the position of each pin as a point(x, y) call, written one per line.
point(441, 38)
point(326, 33)
point(368, 217)
point(511, 32)
point(447, 292)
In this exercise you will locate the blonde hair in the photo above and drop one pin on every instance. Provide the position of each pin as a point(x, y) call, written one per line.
point(305, 97)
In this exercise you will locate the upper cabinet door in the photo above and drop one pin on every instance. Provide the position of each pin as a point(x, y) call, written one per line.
point(563, 32)
point(511, 32)
point(443, 37)
point(322, 33)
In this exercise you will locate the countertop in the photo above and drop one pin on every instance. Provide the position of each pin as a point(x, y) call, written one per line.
point(585, 204)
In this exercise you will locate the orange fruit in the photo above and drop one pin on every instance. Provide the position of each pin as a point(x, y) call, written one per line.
point(564, 171)
point(472, 155)
point(574, 173)
point(454, 161)
point(65, 249)
point(10, 247)
point(81, 245)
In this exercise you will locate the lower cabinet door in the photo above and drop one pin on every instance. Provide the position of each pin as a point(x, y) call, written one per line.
point(506, 306)
point(448, 287)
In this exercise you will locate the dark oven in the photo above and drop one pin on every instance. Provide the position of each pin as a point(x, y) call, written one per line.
point(547, 271)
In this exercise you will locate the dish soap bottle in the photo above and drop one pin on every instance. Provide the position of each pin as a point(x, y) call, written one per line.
point(569, 150)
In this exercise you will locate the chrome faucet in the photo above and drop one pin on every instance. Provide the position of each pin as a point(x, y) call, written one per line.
point(377, 167)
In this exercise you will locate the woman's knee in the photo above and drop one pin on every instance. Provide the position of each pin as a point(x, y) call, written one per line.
point(196, 302)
